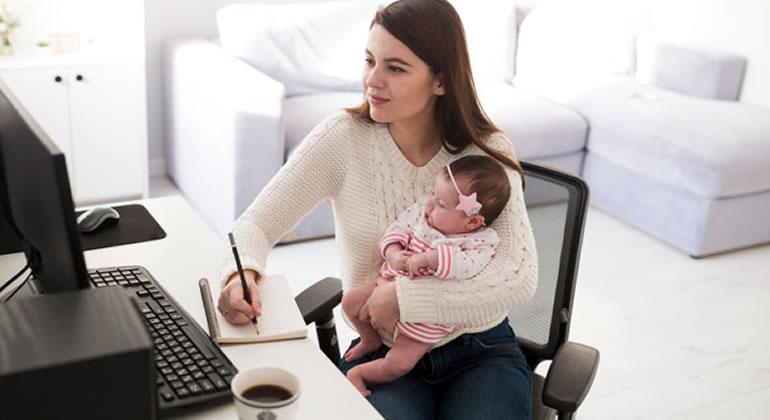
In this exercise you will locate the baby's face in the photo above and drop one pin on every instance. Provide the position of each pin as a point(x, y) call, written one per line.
point(440, 207)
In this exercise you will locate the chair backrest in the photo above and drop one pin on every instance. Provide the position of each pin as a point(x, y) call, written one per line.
point(556, 203)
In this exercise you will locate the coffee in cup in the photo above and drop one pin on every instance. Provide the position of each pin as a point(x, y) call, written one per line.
point(266, 392)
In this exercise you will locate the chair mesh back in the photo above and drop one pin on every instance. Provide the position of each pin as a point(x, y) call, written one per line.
point(547, 204)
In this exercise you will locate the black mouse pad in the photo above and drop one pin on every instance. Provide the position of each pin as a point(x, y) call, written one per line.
point(136, 224)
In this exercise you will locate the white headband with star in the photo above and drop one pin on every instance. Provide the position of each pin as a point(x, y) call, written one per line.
point(468, 203)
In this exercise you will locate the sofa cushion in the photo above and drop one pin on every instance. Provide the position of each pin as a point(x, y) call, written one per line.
point(693, 70)
point(318, 46)
point(537, 127)
point(709, 148)
point(303, 112)
point(309, 47)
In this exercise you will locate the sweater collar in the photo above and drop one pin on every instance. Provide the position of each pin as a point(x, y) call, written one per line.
point(402, 164)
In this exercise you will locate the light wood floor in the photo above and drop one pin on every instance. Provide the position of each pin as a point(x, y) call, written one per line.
point(679, 338)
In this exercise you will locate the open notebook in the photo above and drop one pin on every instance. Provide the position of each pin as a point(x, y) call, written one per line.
point(280, 320)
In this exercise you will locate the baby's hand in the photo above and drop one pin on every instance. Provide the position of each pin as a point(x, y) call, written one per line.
point(417, 265)
point(398, 258)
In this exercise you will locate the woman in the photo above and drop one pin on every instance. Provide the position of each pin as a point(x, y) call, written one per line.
point(420, 112)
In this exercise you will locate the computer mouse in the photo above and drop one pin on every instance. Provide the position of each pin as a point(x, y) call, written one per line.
point(97, 218)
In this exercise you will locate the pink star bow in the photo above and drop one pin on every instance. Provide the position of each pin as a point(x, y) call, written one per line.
point(468, 203)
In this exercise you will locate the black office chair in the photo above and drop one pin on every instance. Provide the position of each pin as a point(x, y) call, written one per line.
point(556, 204)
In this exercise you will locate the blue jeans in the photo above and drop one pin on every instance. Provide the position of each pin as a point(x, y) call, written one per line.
point(475, 376)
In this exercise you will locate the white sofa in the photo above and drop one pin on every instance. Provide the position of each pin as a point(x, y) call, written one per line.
point(238, 105)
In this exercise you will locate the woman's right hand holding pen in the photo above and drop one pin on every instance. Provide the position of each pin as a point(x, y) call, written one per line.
point(232, 304)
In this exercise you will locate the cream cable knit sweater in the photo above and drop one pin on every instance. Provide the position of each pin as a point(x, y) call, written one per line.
point(369, 181)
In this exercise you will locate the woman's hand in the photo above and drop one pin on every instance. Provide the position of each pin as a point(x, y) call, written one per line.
point(381, 309)
point(231, 303)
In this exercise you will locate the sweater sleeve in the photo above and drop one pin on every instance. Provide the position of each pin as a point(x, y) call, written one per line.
point(399, 231)
point(314, 172)
point(509, 279)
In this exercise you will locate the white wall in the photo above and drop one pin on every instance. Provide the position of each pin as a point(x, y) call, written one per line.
point(164, 20)
point(109, 26)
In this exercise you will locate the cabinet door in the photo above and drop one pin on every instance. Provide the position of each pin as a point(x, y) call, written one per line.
point(45, 99)
point(109, 131)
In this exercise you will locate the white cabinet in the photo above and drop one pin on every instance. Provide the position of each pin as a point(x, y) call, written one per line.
point(95, 112)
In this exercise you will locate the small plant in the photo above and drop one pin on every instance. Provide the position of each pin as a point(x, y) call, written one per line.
point(8, 22)
point(43, 44)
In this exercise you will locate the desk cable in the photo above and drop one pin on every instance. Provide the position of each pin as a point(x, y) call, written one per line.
point(8, 283)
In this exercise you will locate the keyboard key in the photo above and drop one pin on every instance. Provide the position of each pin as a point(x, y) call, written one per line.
point(182, 392)
point(199, 375)
point(217, 381)
point(223, 371)
point(167, 396)
point(142, 293)
point(206, 385)
point(154, 307)
point(194, 388)
point(177, 384)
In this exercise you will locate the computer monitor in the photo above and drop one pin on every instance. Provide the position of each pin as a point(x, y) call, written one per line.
point(36, 200)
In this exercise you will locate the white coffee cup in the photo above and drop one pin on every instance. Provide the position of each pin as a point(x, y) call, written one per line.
point(266, 408)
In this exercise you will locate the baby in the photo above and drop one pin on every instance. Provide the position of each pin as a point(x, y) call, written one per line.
point(445, 235)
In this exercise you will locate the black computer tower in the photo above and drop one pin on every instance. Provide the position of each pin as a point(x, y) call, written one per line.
point(84, 354)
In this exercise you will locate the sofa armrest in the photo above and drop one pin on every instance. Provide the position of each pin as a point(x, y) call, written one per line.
point(570, 376)
point(224, 128)
point(693, 71)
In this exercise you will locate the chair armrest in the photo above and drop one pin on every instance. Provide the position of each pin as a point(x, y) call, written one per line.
point(570, 376)
point(316, 304)
point(319, 300)
point(224, 128)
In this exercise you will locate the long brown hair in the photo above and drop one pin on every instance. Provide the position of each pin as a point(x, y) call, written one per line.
point(433, 31)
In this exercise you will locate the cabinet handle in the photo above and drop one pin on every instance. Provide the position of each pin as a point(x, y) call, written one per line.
point(57, 79)
point(79, 77)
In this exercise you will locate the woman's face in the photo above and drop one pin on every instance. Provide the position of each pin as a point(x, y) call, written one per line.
point(398, 85)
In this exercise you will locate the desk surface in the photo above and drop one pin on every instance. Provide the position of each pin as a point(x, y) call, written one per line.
point(191, 250)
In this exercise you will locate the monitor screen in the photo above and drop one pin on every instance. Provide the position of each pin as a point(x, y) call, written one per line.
point(36, 200)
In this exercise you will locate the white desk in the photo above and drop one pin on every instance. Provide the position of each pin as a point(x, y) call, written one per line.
point(190, 251)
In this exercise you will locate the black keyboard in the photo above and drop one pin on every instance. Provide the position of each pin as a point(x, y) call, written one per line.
point(191, 370)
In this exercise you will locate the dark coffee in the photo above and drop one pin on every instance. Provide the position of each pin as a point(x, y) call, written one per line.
point(266, 393)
